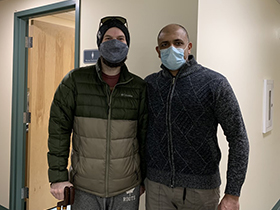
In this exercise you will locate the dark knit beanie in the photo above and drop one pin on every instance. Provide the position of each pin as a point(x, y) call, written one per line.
point(110, 24)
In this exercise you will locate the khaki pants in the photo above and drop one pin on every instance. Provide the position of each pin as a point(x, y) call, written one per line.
point(161, 197)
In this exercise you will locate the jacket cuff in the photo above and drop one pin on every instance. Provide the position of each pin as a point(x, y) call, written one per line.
point(58, 176)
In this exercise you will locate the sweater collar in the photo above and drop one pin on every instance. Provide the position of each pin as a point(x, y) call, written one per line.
point(184, 70)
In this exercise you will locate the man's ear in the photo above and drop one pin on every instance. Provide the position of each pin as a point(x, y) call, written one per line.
point(189, 48)
point(158, 51)
point(188, 51)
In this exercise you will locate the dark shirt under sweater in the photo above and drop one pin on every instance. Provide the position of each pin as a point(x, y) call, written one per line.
point(184, 113)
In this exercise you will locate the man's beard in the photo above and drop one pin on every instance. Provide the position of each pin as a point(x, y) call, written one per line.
point(113, 65)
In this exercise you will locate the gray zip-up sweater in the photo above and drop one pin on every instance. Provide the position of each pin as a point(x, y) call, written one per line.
point(184, 113)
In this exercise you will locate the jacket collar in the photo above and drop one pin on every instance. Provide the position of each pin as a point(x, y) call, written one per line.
point(186, 69)
point(124, 73)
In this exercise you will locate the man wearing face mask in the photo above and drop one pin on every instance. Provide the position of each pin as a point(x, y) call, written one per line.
point(104, 107)
point(186, 102)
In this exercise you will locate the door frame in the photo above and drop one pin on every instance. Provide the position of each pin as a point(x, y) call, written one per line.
point(19, 93)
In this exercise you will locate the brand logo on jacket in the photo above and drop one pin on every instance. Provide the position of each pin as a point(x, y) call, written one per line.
point(126, 95)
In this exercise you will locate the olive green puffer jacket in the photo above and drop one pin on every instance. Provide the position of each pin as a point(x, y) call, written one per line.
point(109, 132)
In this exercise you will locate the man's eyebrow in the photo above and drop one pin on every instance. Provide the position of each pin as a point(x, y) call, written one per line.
point(120, 36)
point(176, 40)
point(163, 42)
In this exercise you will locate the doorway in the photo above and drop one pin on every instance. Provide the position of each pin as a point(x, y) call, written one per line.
point(49, 60)
point(37, 73)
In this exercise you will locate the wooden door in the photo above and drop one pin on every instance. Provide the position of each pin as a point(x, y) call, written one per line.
point(49, 60)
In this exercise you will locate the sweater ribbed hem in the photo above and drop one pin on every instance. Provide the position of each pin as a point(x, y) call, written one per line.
point(185, 180)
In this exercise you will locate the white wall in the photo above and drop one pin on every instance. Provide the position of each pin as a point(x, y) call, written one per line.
point(7, 9)
point(238, 38)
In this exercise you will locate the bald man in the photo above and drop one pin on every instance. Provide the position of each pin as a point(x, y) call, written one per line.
point(186, 103)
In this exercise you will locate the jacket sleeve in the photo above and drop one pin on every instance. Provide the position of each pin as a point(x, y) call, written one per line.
point(230, 118)
point(142, 130)
point(60, 128)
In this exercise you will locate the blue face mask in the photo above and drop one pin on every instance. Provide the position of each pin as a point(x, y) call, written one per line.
point(172, 58)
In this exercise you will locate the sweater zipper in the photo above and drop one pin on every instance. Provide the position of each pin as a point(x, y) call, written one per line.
point(170, 142)
point(108, 139)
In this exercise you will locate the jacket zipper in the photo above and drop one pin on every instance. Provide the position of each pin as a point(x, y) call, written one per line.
point(170, 143)
point(108, 139)
point(108, 144)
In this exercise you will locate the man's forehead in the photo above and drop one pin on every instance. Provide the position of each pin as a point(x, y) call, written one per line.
point(178, 34)
point(114, 31)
